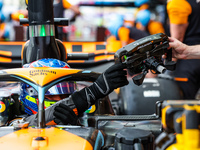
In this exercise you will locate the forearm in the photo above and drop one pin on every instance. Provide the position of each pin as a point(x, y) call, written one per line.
point(178, 31)
point(193, 52)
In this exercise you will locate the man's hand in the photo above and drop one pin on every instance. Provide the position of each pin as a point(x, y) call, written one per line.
point(63, 114)
point(179, 50)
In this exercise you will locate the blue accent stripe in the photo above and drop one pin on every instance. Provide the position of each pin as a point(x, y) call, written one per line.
point(99, 140)
point(86, 71)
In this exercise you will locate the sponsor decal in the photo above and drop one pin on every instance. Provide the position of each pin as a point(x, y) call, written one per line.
point(91, 109)
point(2, 107)
point(151, 93)
point(40, 72)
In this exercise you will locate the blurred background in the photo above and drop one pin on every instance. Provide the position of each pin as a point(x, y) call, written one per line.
point(96, 17)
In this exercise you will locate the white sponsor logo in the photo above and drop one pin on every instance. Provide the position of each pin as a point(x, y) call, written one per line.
point(151, 93)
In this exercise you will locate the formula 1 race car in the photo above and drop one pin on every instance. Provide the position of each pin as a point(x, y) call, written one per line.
point(96, 132)
point(102, 129)
point(92, 136)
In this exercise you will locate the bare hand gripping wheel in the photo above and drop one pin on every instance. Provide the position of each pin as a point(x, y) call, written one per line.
point(145, 54)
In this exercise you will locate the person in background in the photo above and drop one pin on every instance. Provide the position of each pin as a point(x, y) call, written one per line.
point(143, 18)
point(4, 31)
point(185, 26)
point(59, 7)
point(126, 34)
point(144, 23)
point(19, 14)
point(141, 5)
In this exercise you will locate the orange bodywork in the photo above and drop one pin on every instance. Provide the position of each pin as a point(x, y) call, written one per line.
point(53, 138)
point(8, 54)
point(100, 50)
point(5, 53)
point(86, 47)
point(92, 47)
point(2, 59)
point(41, 75)
point(11, 43)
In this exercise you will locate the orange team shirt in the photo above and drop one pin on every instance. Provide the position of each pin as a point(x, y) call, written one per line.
point(155, 27)
point(123, 34)
point(2, 29)
point(66, 4)
point(178, 11)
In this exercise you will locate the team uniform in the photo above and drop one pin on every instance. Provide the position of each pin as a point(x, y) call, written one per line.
point(130, 34)
point(143, 19)
point(155, 27)
point(187, 73)
point(4, 30)
point(123, 33)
